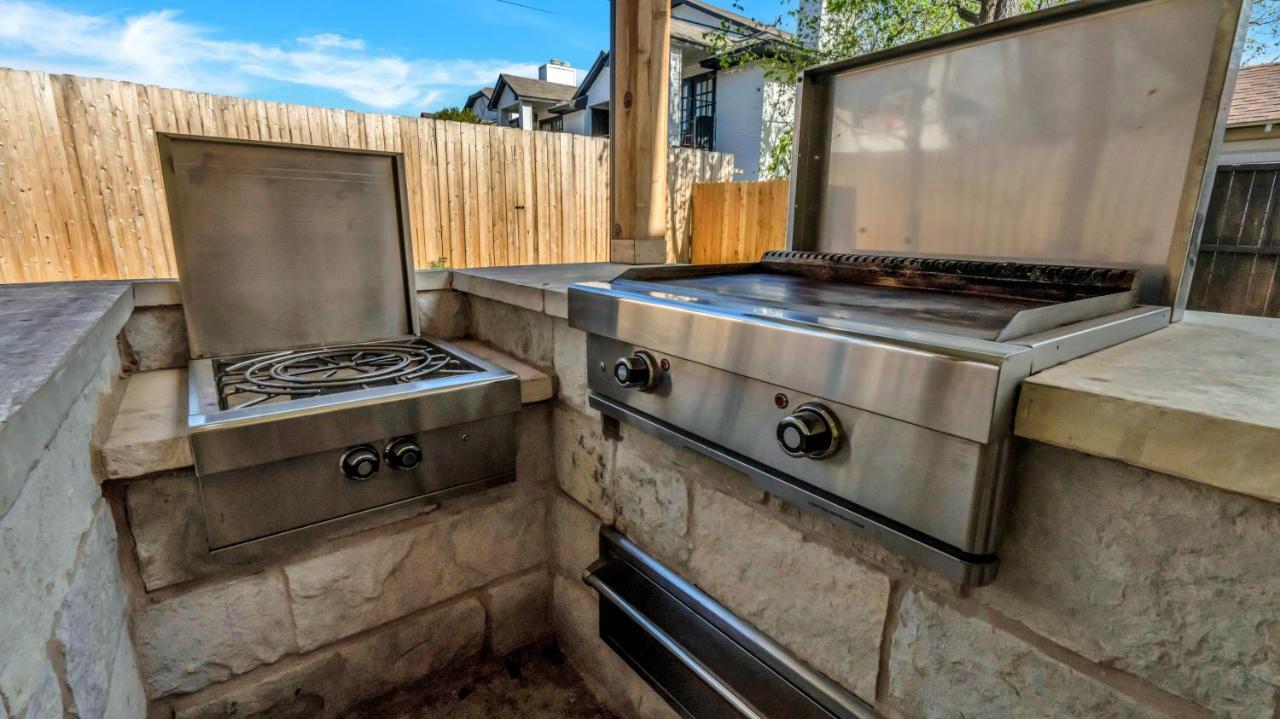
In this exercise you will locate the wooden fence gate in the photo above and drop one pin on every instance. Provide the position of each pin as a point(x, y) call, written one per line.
point(1237, 268)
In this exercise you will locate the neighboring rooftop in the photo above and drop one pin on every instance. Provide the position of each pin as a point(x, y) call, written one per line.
point(1257, 97)
point(528, 88)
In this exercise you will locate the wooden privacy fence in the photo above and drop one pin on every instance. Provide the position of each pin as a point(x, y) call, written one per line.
point(738, 221)
point(81, 194)
point(1237, 269)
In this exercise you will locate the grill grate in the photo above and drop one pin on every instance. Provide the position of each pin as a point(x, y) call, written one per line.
point(293, 374)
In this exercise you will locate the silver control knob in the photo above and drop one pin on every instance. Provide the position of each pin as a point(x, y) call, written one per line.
point(639, 371)
point(403, 453)
point(811, 431)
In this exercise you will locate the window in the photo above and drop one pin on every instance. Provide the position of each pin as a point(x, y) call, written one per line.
point(698, 111)
point(599, 122)
point(552, 124)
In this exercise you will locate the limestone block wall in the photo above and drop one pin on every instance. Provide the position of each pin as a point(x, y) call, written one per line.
point(64, 645)
point(312, 629)
point(1122, 592)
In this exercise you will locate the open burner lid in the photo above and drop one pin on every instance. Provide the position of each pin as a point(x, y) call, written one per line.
point(1079, 135)
point(287, 246)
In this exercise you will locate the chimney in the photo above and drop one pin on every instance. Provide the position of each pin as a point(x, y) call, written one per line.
point(558, 71)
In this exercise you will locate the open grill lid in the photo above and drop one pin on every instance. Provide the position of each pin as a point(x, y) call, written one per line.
point(1077, 136)
point(285, 246)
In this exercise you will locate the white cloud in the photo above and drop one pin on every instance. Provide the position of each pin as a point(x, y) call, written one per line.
point(159, 48)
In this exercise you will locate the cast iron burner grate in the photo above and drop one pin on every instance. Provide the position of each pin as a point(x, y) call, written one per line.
point(294, 374)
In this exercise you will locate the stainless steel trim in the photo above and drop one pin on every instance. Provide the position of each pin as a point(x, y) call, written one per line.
point(952, 564)
point(1067, 343)
point(1021, 162)
point(706, 675)
point(951, 393)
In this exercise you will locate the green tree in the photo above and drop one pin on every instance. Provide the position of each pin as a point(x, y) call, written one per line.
point(457, 114)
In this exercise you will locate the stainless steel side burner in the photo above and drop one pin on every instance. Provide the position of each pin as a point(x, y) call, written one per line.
point(313, 400)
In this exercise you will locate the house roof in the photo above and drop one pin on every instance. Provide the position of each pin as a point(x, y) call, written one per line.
point(485, 92)
point(741, 26)
point(528, 88)
point(1257, 96)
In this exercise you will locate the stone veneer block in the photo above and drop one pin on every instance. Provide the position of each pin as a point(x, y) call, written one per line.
point(211, 634)
point(91, 619)
point(40, 542)
point(651, 501)
point(126, 698)
point(535, 460)
point(1165, 579)
point(149, 433)
point(575, 536)
point(157, 337)
point(522, 333)
point(571, 366)
point(166, 519)
point(1198, 399)
point(943, 664)
point(444, 314)
point(584, 461)
point(575, 612)
point(325, 683)
point(519, 611)
point(384, 577)
point(827, 608)
point(535, 385)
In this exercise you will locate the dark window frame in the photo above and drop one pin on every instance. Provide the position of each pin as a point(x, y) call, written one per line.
point(698, 99)
point(552, 124)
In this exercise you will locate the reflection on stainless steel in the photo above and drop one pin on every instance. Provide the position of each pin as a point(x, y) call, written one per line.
point(312, 400)
point(283, 246)
point(1083, 141)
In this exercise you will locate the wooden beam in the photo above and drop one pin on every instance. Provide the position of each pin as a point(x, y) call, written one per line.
point(639, 69)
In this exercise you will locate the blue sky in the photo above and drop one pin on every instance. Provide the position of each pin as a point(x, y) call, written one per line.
point(400, 57)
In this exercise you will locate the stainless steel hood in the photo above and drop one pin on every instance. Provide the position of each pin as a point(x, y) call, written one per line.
point(1079, 135)
point(285, 246)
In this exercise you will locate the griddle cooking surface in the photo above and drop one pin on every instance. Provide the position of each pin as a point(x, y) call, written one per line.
point(808, 300)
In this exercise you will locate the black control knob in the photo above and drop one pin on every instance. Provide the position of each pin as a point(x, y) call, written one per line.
point(811, 431)
point(360, 463)
point(403, 453)
point(639, 371)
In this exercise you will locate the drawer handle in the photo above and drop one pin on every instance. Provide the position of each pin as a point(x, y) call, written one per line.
point(706, 675)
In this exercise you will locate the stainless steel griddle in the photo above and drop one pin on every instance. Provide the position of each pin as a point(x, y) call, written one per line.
point(965, 212)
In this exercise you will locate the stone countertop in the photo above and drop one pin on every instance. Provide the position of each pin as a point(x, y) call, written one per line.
point(1198, 400)
point(149, 432)
point(541, 288)
point(53, 338)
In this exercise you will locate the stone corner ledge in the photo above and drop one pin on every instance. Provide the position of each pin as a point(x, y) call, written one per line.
point(1217, 451)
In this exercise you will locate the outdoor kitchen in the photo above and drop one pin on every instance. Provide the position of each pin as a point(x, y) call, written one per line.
point(959, 450)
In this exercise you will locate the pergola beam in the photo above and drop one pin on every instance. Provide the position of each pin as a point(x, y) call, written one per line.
point(640, 47)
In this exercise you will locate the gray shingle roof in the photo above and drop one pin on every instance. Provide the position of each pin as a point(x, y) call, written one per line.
point(528, 88)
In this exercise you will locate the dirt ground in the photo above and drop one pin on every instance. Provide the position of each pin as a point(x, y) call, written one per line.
point(536, 683)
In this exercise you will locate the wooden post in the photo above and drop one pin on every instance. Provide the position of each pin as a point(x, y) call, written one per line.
point(639, 64)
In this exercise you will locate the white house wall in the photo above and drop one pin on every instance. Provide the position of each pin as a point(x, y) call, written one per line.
point(576, 122)
point(740, 117)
